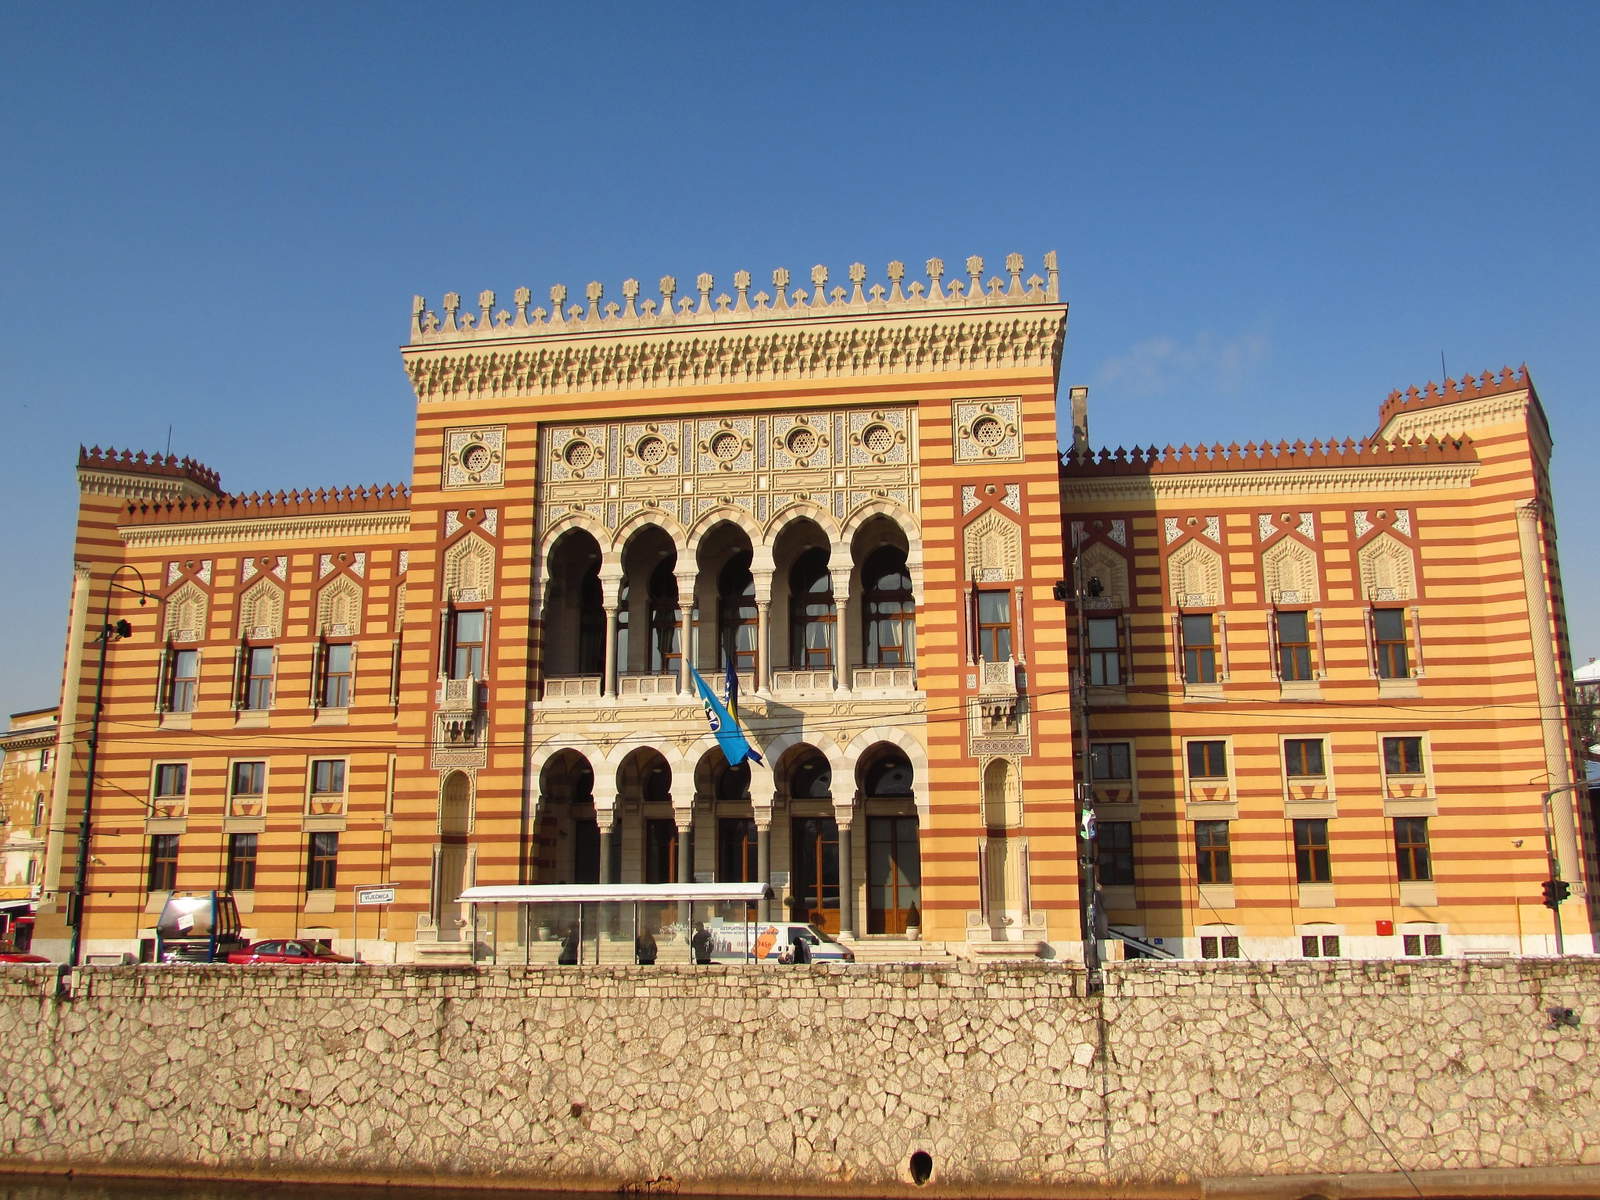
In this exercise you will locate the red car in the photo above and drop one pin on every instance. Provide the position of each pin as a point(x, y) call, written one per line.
point(12, 956)
point(292, 951)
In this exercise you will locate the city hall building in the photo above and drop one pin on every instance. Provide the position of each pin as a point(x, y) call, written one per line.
point(1303, 699)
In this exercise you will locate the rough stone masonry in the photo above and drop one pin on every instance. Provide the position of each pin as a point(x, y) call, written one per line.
point(973, 1078)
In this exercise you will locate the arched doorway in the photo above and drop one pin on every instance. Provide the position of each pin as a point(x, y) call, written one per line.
point(566, 839)
point(454, 873)
point(813, 840)
point(644, 786)
point(894, 857)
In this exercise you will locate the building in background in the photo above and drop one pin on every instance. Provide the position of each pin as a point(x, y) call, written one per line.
point(28, 747)
point(1321, 687)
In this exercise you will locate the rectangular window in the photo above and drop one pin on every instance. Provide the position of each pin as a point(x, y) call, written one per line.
point(1402, 756)
point(38, 809)
point(1208, 760)
point(1115, 841)
point(1105, 651)
point(184, 681)
point(163, 862)
point(1219, 947)
point(1389, 643)
point(322, 862)
point(1294, 647)
point(466, 644)
point(1423, 944)
point(1111, 762)
point(241, 862)
point(1412, 862)
point(44, 759)
point(1319, 946)
point(1212, 860)
point(248, 779)
point(1199, 649)
point(336, 677)
point(994, 626)
point(172, 781)
point(259, 662)
point(327, 777)
point(1302, 758)
point(1311, 863)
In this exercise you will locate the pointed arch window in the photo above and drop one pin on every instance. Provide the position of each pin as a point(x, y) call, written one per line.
point(665, 636)
point(811, 611)
point(891, 609)
point(736, 613)
point(591, 625)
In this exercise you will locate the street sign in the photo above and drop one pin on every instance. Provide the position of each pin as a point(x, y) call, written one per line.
point(375, 895)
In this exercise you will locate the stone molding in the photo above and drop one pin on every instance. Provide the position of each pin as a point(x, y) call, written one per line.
point(851, 348)
point(1338, 481)
point(310, 528)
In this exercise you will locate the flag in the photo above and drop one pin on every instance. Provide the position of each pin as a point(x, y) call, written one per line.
point(735, 746)
point(730, 690)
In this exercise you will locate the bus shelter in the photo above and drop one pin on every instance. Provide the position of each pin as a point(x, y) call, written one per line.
point(573, 923)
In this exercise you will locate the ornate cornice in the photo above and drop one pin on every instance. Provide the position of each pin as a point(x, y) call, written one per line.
point(138, 487)
point(1462, 417)
point(278, 529)
point(1021, 338)
point(1335, 481)
point(33, 737)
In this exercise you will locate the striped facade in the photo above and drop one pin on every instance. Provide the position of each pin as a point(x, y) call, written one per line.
point(854, 499)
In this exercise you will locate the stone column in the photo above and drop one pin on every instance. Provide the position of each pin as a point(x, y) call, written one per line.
point(686, 608)
point(763, 625)
point(841, 630)
point(843, 817)
point(764, 859)
point(1557, 749)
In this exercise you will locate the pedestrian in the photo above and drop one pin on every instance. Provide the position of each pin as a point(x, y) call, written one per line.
point(701, 944)
point(644, 948)
point(569, 947)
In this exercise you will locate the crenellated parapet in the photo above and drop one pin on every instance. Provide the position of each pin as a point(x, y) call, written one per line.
point(138, 462)
point(1454, 392)
point(1267, 456)
point(267, 505)
point(677, 310)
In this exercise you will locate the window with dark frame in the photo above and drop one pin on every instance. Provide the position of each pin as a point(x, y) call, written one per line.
point(172, 781)
point(1213, 863)
point(1115, 842)
point(1311, 858)
point(890, 626)
point(259, 664)
point(1412, 861)
point(1303, 758)
point(241, 862)
point(994, 625)
point(327, 777)
point(247, 779)
point(1402, 756)
point(811, 611)
point(738, 616)
point(1429, 945)
point(1208, 760)
point(1389, 643)
point(1199, 649)
point(1294, 647)
point(163, 875)
point(1110, 762)
point(1319, 945)
point(337, 677)
point(467, 629)
point(322, 862)
point(1219, 947)
point(1104, 650)
point(184, 680)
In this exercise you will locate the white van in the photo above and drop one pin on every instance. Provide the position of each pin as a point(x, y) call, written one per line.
point(774, 942)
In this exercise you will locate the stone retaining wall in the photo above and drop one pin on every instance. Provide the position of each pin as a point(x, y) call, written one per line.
point(804, 1080)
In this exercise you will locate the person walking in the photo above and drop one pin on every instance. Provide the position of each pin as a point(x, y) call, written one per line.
point(700, 943)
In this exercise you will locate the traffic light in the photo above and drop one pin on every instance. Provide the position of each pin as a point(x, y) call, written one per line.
point(1555, 891)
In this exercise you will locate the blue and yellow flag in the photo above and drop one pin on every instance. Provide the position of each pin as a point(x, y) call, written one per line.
point(735, 746)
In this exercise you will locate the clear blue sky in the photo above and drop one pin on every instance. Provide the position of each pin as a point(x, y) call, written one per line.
point(1268, 215)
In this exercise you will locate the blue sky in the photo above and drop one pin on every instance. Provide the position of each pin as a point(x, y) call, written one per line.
point(1268, 215)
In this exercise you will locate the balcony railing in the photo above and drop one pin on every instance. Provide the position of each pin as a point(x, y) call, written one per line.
point(902, 678)
point(647, 685)
point(572, 687)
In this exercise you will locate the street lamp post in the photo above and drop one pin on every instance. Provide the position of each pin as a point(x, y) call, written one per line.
point(1091, 901)
point(1550, 853)
point(109, 633)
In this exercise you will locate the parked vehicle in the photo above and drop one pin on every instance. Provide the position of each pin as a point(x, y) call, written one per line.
point(14, 956)
point(775, 941)
point(199, 928)
point(293, 951)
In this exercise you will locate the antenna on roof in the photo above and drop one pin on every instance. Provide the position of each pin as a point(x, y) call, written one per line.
point(1443, 374)
point(169, 441)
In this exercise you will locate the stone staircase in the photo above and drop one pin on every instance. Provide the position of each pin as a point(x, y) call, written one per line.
point(899, 950)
